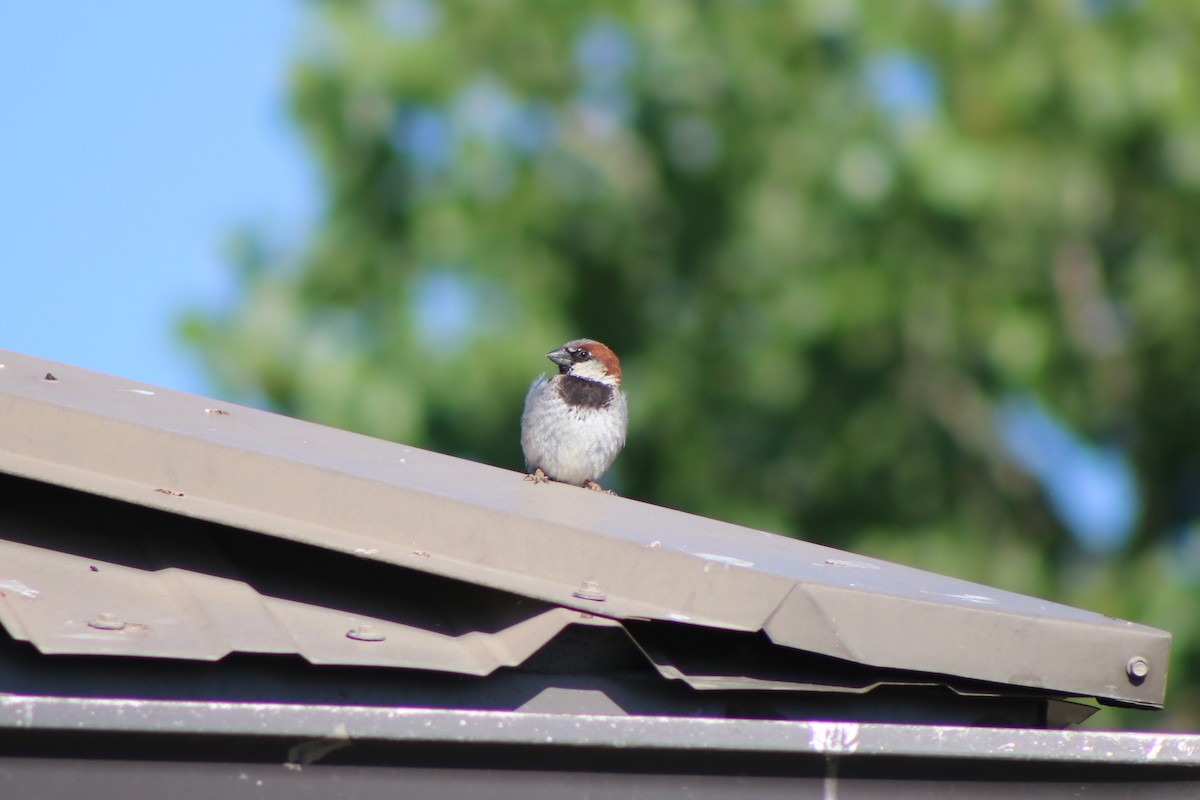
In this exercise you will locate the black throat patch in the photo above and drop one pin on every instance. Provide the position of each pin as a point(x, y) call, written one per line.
point(582, 392)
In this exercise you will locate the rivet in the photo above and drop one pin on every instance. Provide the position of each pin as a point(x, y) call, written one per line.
point(590, 591)
point(106, 621)
point(1137, 668)
point(365, 633)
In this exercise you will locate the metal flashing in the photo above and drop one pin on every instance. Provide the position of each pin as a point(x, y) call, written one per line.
point(363, 725)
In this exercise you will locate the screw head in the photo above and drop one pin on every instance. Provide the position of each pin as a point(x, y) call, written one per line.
point(106, 621)
point(365, 633)
point(590, 590)
point(1137, 669)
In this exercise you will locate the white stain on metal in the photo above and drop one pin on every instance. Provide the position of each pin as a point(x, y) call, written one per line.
point(16, 587)
point(841, 562)
point(974, 598)
point(305, 753)
point(834, 738)
point(145, 392)
point(829, 789)
point(1156, 748)
point(730, 560)
point(24, 711)
point(678, 617)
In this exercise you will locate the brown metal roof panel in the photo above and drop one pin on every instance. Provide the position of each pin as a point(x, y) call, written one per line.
point(616, 557)
point(980, 637)
point(389, 502)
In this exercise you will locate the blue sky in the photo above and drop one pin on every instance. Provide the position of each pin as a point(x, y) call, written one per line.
point(135, 137)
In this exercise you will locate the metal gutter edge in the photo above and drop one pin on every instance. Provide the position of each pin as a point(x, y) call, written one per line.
point(411, 725)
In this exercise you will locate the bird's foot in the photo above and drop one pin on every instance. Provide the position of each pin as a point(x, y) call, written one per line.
point(537, 476)
point(595, 487)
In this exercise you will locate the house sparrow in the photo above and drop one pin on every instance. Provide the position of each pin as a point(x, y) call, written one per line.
point(574, 423)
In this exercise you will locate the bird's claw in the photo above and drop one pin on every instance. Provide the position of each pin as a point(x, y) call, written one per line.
point(537, 476)
point(595, 487)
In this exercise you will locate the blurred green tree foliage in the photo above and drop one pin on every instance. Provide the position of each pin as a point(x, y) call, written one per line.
point(827, 239)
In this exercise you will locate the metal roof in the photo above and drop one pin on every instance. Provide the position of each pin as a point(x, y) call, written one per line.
point(538, 557)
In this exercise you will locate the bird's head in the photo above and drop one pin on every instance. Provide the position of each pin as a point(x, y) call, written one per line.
point(588, 360)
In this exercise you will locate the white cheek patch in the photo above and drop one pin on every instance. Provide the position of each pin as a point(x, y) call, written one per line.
point(592, 370)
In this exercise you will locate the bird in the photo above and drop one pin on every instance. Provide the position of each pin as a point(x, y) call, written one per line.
point(574, 423)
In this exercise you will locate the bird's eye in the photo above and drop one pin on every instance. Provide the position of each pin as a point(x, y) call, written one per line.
point(580, 355)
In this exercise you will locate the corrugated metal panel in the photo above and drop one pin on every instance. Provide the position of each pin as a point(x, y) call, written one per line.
point(181, 614)
point(124, 597)
point(562, 546)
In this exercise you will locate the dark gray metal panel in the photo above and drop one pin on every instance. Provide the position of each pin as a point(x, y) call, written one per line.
point(70, 779)
point(104, 748)
point(611, 556)
point(96, 779)
point(350, 725)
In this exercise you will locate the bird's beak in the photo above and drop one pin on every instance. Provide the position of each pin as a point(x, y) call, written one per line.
point(560, 357)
